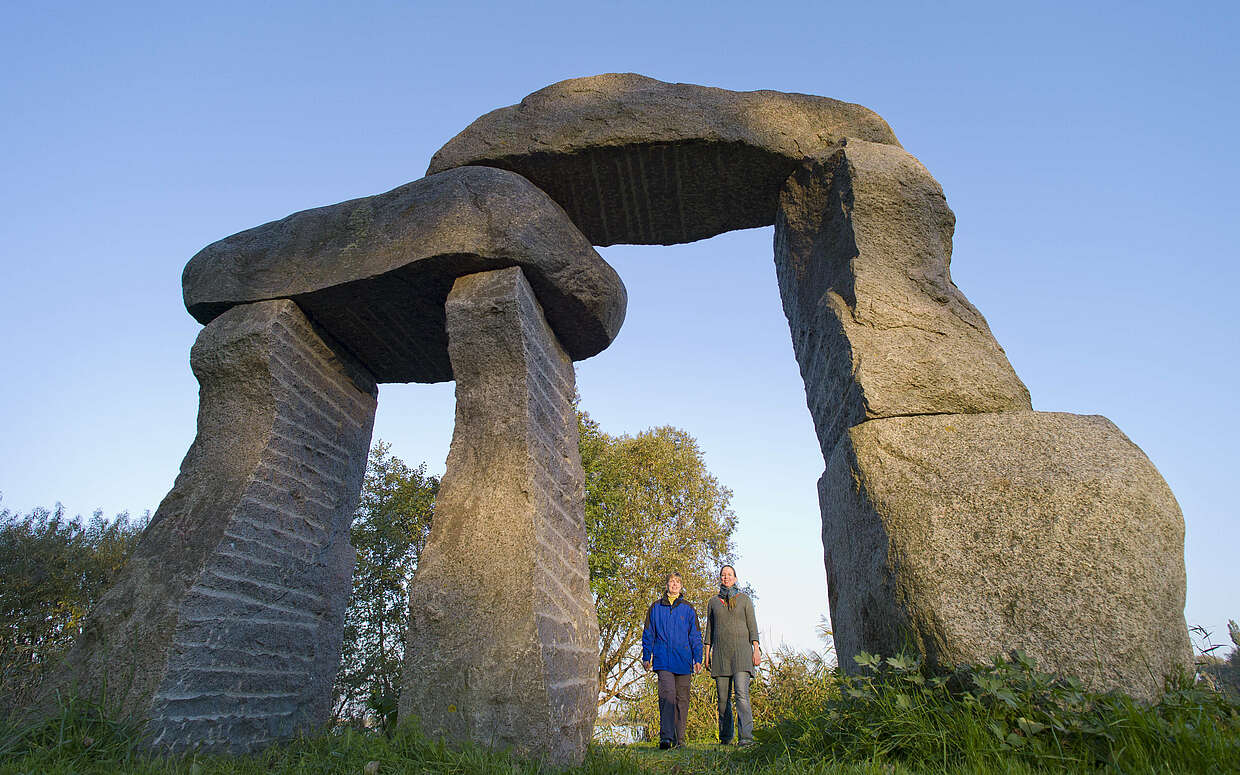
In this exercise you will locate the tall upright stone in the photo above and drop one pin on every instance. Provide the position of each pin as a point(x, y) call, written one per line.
point(224, 629)
point(957, 523)
point(863, 241)
point(503, 637)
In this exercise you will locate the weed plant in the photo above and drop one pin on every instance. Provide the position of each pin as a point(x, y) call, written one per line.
point(989, 717)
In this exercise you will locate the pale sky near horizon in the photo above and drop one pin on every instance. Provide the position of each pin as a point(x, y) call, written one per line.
point(1087, 149)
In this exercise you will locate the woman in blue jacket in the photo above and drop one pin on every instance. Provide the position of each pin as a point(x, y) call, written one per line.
point(672, 647)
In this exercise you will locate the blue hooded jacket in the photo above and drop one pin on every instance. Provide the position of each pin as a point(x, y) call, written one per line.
point(671, 638)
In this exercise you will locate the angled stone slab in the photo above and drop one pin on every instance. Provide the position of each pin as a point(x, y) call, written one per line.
point(224, 629)
point(635, 160)
point(374, 272)
point(503, 636)
point(863, 241)
point(961, 537)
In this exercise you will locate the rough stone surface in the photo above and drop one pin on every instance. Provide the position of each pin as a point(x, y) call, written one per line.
point(503, 637)
point(375, 272)
point(863, 241)
point(963, 537)
point(224, 629)
point(641, 161)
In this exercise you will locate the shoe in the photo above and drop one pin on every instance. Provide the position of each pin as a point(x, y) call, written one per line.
point(744, 743)
point(725, 742)
point(665, 744)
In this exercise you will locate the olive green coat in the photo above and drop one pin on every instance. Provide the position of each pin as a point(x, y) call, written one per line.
point(731, 633)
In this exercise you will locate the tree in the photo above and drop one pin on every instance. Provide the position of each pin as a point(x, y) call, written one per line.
point(651, 508)
point(54, 569)
point(389, 530)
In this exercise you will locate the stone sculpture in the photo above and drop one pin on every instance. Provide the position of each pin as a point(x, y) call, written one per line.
point(224, 628)
point(884, 339)
point(956, 521)
point(862, 244)
point(963, 536)
point(639, 161)
point(226, 625)
point(503, 636)
point(375, 271)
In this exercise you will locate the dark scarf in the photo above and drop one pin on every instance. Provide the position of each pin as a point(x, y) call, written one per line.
point(727, 593)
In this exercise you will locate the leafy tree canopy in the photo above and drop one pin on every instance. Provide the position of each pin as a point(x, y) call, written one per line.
point(652, 508)
point(390, 528)
point(54, 569)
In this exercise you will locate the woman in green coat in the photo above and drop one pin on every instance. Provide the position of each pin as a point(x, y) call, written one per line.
point(732, 654)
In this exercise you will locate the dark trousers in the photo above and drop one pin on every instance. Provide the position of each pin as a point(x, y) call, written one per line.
point(673, 705)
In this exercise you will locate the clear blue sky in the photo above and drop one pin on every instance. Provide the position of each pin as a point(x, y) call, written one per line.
point(1088, 149)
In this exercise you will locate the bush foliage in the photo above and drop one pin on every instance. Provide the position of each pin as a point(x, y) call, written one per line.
point(788, 684)
point(1008, 711)
point(54, 569)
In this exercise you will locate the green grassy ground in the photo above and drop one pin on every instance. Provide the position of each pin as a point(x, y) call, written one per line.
point(349, 754)
point(894, 720)
point(95, 747)
point(716, 759)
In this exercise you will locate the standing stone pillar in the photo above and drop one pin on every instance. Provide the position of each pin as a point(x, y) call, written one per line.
point(224, 629)
point(958, 523)
point(863, 241)
point(503, 636)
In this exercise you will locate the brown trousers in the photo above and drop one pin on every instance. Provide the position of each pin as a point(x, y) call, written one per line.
point(673, 706)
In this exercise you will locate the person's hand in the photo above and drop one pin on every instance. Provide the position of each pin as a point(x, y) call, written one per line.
point(697, 667)
point(646, 664)
point(757, 655)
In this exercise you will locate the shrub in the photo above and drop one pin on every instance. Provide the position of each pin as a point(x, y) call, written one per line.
point(788, 684)
point(791, 684)
point(1008, 711)
point(54, 568)
point(643, 712)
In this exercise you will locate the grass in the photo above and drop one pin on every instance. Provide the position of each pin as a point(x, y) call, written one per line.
point(892, 720)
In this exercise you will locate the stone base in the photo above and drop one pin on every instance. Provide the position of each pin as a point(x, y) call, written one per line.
point(503, 636)
point(962, 537)
point(223, 631)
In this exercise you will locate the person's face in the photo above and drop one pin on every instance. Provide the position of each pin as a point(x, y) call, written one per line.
point(673, 587)
point(727, 577)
